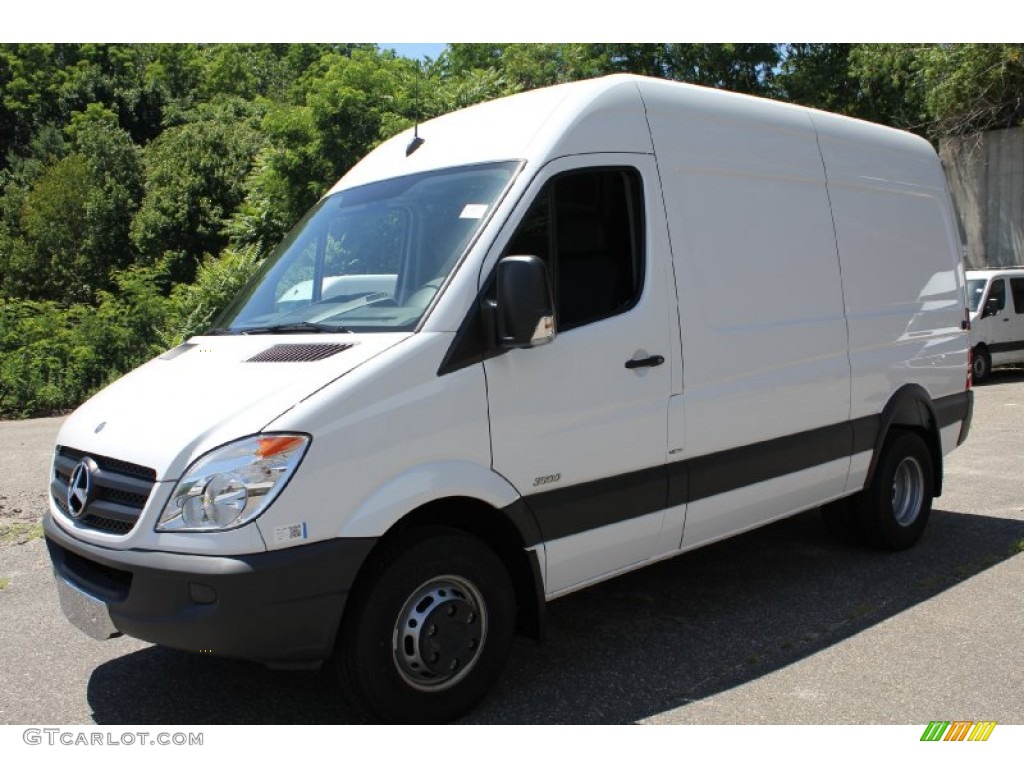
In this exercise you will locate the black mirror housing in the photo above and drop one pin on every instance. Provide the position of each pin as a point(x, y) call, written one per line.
point(525, 307)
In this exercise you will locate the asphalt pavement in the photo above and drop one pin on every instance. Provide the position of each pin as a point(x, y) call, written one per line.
point(782, 625)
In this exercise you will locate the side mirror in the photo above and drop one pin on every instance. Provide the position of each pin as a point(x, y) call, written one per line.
point(525, 308)
point(991, 307)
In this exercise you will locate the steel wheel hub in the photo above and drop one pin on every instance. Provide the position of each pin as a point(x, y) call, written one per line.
point(439, 633)
point(907, 491)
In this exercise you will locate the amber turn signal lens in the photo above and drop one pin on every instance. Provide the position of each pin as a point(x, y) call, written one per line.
point(271, 446)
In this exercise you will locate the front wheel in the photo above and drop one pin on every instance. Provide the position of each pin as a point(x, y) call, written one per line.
point(894, 510)
point(427, 636)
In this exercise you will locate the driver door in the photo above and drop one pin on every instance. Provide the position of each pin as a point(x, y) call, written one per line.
point(578, 426)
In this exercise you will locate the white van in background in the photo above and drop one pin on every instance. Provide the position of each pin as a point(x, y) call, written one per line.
point(995, 298)
point(538, 343)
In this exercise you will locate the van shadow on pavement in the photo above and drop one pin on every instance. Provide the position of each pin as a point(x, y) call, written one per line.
point(1009, 375)
point(630, 648)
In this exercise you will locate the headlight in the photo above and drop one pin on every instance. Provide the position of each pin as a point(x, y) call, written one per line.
point(233, 484)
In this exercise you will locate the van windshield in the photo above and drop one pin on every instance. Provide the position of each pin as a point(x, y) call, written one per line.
point(370, 258)
point(975, 290)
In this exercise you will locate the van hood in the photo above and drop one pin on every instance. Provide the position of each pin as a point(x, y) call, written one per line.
point(209, 391)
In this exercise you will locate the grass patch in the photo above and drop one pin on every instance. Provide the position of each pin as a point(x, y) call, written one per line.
point(4, 581)
point(20, 533)
point(1018, 547)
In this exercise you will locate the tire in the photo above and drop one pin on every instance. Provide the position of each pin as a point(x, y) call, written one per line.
point(894, 509)
point(981, 365)
point(429, 632)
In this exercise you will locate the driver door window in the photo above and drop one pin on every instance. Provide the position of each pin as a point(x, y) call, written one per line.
point(587, 226)
point(996, 297)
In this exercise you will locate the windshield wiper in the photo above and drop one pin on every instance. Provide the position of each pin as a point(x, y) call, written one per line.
point(303, 327)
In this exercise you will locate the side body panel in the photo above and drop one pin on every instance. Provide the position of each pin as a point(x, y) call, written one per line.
point(760, 301)
point(401, 437)
point(903, 277)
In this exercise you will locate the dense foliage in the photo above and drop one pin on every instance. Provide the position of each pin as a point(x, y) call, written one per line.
point(140, 185)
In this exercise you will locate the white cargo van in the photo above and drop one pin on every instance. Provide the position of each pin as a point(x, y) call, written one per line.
point(995, 298)
point(544, 341)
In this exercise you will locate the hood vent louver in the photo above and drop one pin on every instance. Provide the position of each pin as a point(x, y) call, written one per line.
point(297, 353)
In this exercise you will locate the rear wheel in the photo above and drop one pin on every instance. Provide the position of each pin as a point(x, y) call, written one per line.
point(981, 364)
point(894, 510)
point(427, 636)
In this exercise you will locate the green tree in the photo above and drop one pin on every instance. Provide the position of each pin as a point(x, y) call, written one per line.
point(939, 90)
point(195, 179)
point(520, 66)
point(973, 87)
point(72, 226)
point(31, 80)
point(45, 254)
point(742, 67)
point(534, 65)
point(44, 84)
point(891, 89)
point(818, 75)
point(245, 71)
point(54, 357)
point(351, 102)
point(193, 306)
point(465, 57)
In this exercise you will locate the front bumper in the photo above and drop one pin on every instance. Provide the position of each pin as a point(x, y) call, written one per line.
point(281, 608)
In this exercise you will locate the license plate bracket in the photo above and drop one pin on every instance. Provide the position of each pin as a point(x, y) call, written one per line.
point(85, 612)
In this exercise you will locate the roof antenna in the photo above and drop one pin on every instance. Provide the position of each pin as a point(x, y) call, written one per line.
point(416, 142)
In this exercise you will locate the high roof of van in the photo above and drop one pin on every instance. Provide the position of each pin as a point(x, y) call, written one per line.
point(607, 114)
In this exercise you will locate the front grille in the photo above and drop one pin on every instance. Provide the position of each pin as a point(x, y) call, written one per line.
point(105, 462)
point(120, 490)
point(297, 353)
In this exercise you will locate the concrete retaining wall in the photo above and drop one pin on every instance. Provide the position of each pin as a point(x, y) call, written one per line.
point(986, 177)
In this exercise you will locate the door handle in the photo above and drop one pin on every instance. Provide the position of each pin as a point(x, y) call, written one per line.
point(645, 362)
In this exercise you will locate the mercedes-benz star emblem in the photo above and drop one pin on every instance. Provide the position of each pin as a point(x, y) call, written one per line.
point(80, 487)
